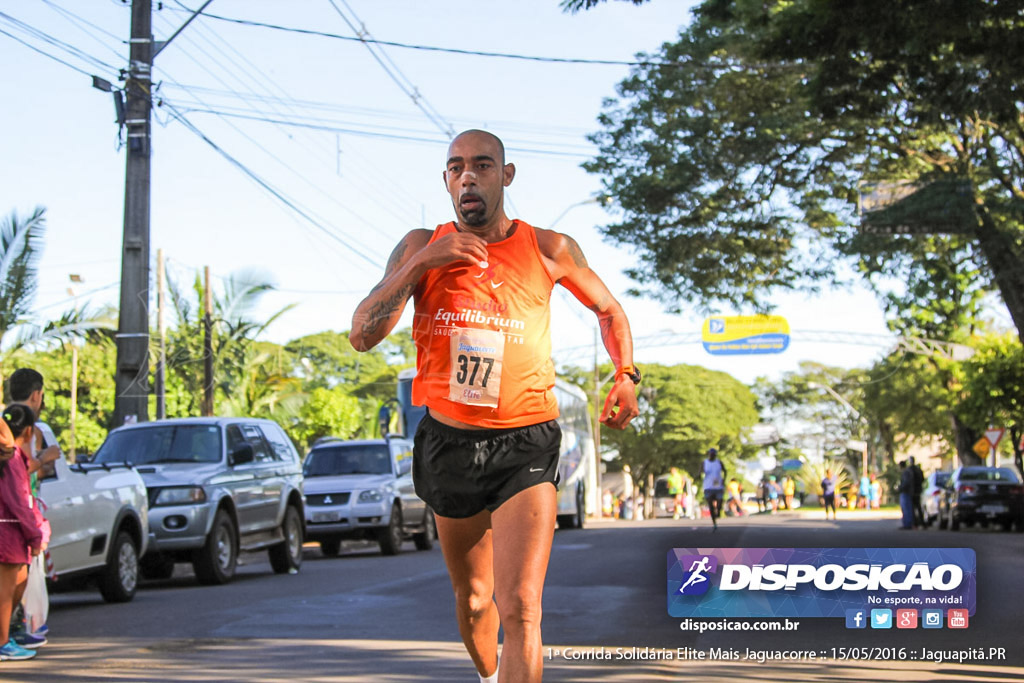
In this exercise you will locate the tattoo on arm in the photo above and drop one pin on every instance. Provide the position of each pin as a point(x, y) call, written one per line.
point(393, 261)
point(382, 310)
point(576, 253)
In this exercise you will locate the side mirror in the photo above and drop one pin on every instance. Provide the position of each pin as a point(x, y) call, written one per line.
point(404, 466)
point(241, 455)
point(82, 458)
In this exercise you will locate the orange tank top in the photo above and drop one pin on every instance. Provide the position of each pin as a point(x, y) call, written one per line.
point(483, 336)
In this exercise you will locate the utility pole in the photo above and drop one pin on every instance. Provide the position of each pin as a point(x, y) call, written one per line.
point(132, 378)
point(597, 430)
point(207, 407)
point(161, 359)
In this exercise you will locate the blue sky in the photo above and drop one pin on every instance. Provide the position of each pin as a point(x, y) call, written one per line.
point(325, 124)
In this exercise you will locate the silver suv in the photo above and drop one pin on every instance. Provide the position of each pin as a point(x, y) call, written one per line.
point(216, 486)
point(363, 490)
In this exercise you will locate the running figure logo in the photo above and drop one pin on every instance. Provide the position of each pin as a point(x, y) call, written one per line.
point(697, 581)
point(488, 270)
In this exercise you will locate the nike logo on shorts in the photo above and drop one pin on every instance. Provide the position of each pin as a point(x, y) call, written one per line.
point(536, 469)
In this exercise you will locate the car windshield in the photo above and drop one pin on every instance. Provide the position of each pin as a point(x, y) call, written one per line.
point(162, 443)
point(327, 461)
point(941, 478)
point(989, 474)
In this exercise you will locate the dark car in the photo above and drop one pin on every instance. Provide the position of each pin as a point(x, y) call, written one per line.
point(983, 495)
point(931, 496)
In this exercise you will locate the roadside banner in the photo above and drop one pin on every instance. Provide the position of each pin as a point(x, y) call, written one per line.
point(745, 335)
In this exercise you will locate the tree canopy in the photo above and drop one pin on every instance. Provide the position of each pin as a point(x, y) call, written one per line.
point(684, 410)
point(740, 155)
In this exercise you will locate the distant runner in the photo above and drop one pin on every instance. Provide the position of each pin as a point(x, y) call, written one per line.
point(714, 484)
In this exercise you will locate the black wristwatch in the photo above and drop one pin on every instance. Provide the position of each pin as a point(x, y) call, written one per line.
point(631, 371)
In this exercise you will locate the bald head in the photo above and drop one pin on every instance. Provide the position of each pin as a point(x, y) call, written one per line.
point(474, 132)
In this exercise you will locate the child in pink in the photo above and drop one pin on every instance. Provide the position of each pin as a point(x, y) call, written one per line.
point(23, 532)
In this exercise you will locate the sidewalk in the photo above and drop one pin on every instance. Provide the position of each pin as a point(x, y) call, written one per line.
point(365, 661)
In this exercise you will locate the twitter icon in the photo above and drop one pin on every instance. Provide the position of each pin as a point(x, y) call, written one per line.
point(881, 618)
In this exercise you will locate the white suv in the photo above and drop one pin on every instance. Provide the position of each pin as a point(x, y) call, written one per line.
point(99, 519)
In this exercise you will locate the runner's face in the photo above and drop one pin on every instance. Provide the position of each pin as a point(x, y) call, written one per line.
point(476, 178)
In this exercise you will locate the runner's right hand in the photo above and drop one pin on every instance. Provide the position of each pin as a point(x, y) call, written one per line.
point(453, 247)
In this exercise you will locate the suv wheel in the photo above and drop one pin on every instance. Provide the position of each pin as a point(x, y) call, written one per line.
point(286, 556)
point(155, 566)
point(121, 575)
point(390, 537)
point(215, 561)
point(425, 539)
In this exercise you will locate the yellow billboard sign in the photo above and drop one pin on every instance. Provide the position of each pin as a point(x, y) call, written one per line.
point(745, 334)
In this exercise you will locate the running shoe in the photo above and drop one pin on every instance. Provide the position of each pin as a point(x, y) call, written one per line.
point(41, 631)
point(27, 640)
point(13, 651)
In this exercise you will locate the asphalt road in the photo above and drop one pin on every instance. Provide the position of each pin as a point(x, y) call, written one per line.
point(364, 617)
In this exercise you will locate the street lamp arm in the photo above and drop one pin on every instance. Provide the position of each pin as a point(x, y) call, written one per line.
point(838, 397)
point(599, 199)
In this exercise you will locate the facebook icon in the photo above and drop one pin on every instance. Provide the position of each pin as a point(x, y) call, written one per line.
point(856, 618)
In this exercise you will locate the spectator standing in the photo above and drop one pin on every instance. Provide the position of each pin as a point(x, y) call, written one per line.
point(917, 479)
point(906, 491)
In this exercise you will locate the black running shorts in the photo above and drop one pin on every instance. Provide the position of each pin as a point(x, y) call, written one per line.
point(460, 472)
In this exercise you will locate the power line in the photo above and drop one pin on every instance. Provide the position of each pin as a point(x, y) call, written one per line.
point(56, 42)
point(78, 22)
point(365, 133)
point(431, 48)
point(44, 53)
point(409, 88)
point(266, 186)
point(287, 166)
point(318, 148)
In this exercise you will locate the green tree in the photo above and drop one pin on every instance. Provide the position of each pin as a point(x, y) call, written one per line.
point(993, 389)
point(684, 410)
point(327, 412)
point(738, 153)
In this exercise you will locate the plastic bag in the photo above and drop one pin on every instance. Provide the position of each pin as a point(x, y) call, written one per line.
point(36, 601)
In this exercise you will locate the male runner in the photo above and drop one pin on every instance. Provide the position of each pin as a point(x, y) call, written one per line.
point(713, 472)
point(486, 454)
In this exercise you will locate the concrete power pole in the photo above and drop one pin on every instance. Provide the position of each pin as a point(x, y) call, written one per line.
point(132, 378)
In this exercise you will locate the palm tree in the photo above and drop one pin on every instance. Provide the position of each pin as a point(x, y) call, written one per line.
point(21, 241)
point(234, 333)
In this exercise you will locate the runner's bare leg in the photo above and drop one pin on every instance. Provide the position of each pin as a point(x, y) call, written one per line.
point(523, 530)
point(466, 544)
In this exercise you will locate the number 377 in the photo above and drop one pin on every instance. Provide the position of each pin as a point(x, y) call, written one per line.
point(469, 367)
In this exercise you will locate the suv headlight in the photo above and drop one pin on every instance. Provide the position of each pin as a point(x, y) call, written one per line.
point(182, 495)
point(372, 496)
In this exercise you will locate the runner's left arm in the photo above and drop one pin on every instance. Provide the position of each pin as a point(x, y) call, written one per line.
point(570, 268)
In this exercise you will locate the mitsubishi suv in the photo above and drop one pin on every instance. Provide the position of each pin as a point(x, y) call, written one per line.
point(216, 486)
point(363, 490)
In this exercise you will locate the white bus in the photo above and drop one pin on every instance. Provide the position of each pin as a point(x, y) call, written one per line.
point(577, 487)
